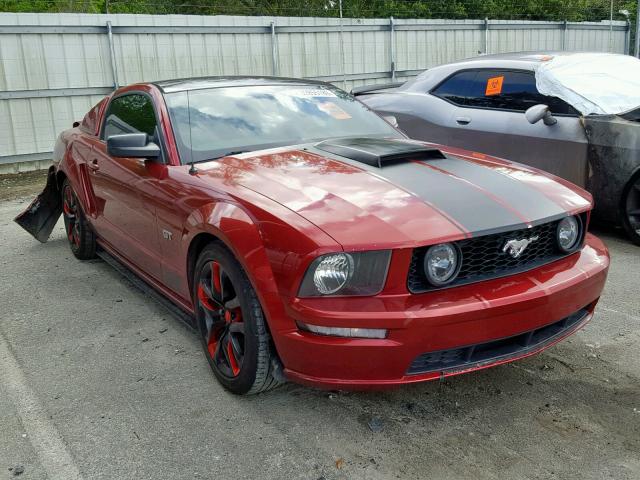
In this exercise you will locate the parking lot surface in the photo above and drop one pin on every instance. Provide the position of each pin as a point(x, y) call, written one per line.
point(99, 382)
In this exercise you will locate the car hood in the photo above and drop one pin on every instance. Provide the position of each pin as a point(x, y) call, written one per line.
point(592, 83)
point(459, 195)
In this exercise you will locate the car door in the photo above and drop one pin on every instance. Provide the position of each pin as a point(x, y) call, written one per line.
point(489, 118)
point(124, 187)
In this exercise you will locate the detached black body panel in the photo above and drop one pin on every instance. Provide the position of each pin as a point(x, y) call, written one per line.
point(43, 213)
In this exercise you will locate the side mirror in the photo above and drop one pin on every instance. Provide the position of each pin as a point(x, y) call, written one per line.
point(540, 112)
point(135, 145)
point(392, 120)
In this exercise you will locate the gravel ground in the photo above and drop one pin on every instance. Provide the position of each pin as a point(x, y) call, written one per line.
point(99, 382)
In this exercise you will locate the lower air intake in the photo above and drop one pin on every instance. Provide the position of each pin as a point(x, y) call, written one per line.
point(483, 353)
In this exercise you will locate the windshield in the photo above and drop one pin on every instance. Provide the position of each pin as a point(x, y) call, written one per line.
point(593, 83)
point(213, 122)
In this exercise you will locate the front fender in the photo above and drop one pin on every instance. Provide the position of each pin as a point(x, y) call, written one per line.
point(614, 143)
point(239, 231)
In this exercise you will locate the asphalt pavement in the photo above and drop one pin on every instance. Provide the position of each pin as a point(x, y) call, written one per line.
point(99, 382)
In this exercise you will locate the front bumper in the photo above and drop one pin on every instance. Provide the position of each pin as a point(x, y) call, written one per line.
point(465, 321)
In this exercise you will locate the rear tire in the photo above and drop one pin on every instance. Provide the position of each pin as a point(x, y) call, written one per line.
point(231, 323)
point(81, 238)
point(630, 208)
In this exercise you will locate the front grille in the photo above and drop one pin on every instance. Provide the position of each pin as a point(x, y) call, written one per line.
point(483, 258)
point(490, 352)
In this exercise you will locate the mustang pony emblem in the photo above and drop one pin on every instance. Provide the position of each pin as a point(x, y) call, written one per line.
point(516, 247)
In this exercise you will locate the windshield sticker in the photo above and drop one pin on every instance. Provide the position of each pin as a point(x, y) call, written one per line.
point(494, 86)
point(311, 92)
point(334, 110)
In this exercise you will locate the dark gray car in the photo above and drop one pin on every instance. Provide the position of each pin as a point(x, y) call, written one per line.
point(493, 104)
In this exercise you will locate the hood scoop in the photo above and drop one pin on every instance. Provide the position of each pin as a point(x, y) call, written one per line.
point(379, 152)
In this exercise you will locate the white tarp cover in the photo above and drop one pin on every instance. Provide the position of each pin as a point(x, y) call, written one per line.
point(593, 83)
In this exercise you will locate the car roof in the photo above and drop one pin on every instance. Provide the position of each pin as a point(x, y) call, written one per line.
point(521, 59)
point(513, 60)
point(183, 84)
point(533, 57)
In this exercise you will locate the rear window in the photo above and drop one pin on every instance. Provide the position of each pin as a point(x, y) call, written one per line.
point(498, 89)
point(213, 122)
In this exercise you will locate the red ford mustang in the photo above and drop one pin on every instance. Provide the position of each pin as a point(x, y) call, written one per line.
point(308, 239)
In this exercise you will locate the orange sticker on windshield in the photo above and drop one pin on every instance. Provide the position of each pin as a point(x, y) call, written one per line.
point(334, 110)
point(494, 86)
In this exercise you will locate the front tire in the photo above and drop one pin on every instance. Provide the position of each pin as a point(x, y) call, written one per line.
point(81, 238)
point(631, 208)
point(231, 323)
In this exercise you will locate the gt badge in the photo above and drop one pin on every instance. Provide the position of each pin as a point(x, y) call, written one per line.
point(166, 234)
point(516, 247)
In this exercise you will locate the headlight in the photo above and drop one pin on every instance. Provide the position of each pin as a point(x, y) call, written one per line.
point(333, 272)
point(357, 273)
point(568, 233)
point(441, 264)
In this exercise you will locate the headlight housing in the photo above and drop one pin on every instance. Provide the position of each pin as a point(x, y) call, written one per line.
point(569, 233)
point(342, 273)
point(442, 264)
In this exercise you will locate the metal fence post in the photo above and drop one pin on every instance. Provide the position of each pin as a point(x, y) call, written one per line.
point(114, 66)
point(627, 39)
point(486, 35)
point(274, 49)
point(637, 49)
point(342, 59)
point(564, 35)
point(392, 38)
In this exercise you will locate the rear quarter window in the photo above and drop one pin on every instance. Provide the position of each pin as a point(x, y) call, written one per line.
point(456, 88)
point(90, 121)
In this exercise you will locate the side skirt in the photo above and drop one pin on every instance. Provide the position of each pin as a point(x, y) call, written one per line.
point(151, 292)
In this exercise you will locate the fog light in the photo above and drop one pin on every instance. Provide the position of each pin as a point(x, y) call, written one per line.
point(568, 233)
point(344, 331)
point(441, 264)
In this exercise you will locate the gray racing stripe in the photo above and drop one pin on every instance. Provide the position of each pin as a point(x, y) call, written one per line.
point(480, 202)
point(529, 202)
point(472, 208)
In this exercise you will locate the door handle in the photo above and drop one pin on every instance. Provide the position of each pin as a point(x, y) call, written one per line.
point(463, 120)
point(93, 165)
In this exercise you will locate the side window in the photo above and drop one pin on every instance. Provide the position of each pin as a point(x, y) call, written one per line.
point(456, 88)
point(504, 90)
point(130, 114)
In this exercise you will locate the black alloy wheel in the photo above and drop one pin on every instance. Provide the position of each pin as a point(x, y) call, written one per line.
point(81, 238)
point(631, 209)
point(231, 323)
